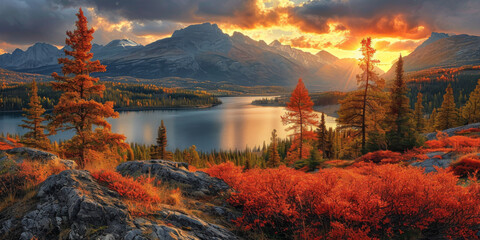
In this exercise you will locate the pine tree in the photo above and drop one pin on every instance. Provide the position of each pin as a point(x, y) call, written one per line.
point(273, 156)
point(322, 135)
point(448, 113)
point(363, 109)
point(432, 120)
point(300, 116)
point(76, 108)
point(36, 137)
point(418, 118)
point(160, 150)
point(401, 134)
point(471, 110)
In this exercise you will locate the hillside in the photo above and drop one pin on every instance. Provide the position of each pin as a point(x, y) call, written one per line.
point(204, 53)
point(442, 51)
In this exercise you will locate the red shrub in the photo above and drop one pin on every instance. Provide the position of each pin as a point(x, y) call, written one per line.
point(127, 187)
point(467, 131)
point(380, 156)
point(371, 201)
point(455, 142)
point(466, 165)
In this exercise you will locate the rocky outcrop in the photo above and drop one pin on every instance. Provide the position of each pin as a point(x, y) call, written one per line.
point(25, 153)
point(73, 205)
point(435, 160)
point(452, 131)
point(196, 183)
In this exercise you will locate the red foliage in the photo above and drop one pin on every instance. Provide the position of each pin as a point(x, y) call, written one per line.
point(8, 143)
point(467, 165)
point(380, 156)
point(367, 202)
point(456, 142)
point(127, 187)
point(467, 131)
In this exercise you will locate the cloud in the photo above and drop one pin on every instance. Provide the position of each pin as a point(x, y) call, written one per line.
point(409, 19)
point(27, 21)
point(396, 46)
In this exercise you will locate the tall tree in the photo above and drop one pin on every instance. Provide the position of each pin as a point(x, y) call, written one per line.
point(36, 137)
point(418, 118)
point(160, 150)
point(322, 136)
point(363, 109)
point(471, 110)
point(432, 121)
point(447, 116)
point(300, 117)
point(273, 156)
point(76, 108)
point(401, 133)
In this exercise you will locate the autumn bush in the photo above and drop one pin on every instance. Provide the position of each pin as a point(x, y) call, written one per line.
point(380, 156)
point(367, 202)
point(467, 165)
point(18, 177)
point(468, 131)
point(455, 142)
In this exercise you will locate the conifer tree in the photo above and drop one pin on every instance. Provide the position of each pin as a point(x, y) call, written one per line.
point(36, 137)
point(471, 110)
point(401, 134)
point(160, 150)
point(300, 117)
point(363, 109)
point(418, 117)
point(447, 116)
point(76, 108)
point(322, 135)
point(273, 156)
point(432, 119)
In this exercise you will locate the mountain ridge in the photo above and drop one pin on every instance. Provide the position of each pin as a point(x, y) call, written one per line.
point(204, 52)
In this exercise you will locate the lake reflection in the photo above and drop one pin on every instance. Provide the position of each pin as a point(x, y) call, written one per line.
point(235, 124)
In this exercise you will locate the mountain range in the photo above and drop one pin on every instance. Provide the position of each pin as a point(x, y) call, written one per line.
point(204, 53)
point(441, 50)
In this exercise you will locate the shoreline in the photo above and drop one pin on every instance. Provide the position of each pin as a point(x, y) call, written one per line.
point(124, 109)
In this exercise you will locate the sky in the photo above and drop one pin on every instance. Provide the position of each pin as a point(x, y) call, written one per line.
point(337, 26)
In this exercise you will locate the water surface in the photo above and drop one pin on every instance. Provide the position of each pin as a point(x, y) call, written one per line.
point(235, 124)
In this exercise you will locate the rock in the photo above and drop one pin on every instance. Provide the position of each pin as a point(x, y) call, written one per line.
point(198, 227)
point(74, 200)
point(451, 131)
point(198, 183)
point(21, 153)
point(433, 161)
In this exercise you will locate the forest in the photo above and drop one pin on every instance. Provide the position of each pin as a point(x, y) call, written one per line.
point(14, 96)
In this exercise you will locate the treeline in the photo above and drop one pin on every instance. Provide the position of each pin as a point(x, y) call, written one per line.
point(433, 88)
point(319, 99)
point(14, 96)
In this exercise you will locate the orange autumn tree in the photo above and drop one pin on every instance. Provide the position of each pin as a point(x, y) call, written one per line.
point(76, 108)
point(299, 117)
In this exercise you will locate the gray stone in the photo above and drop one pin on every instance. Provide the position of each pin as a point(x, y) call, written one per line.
point(198, 183)
point(432, 162)
point(452, 131)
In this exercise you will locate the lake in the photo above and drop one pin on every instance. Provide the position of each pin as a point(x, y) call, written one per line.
point(235, 124)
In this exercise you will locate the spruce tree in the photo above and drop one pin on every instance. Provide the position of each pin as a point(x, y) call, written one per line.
point(322, 135)
point(77, 108)
point(401, 134)
point(36, 137)
point(447, 116)
point(160, 150)
point(273, 156)
point(471, 110)
point(418, 117)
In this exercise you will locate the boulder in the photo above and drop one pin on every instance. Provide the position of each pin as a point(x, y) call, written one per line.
point(197, 183)
point(435, 159)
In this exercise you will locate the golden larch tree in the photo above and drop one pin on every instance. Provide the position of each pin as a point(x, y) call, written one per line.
point(76, 108)
point(301, 119)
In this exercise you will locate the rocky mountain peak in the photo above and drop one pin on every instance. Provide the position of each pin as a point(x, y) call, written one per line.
point(433, 37)
point(122, 43)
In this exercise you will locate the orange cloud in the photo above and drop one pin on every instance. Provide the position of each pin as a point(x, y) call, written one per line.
point(396, 46)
